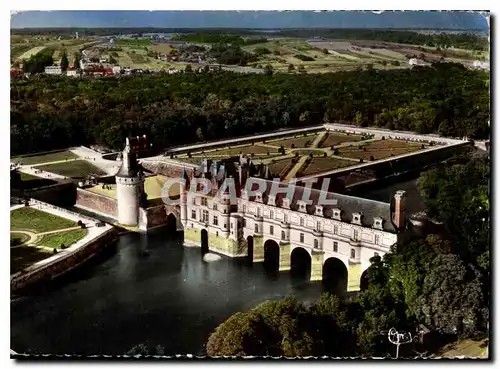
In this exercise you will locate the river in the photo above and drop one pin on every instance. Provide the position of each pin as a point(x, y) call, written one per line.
point(171, 297)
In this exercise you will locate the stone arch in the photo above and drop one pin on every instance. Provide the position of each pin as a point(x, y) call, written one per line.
point(335, 275)
point(271, 255)
point(300, 263)
point(204, 241)
point(364, 282)
point(250, 248)
point(171, 223)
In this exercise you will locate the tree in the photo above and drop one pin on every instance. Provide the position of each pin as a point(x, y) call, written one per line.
point(452, 297)
point(64, 62)
point(268, 70)
point(291, 68)
point(188, 68)
point(199, 134)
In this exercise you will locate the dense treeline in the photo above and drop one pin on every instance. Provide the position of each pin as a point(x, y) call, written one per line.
point(439, 281)
point(52, 112)
point(219, 38)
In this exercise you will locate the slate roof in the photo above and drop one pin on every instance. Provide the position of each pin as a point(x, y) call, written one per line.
point(348, 205)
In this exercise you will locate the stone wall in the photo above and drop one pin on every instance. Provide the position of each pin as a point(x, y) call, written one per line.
point(156, 216)
point(63, 264)
point(99, 203)
point(167, 170)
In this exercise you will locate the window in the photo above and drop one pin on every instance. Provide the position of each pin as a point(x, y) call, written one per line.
point(353, 254)
point(302, 238)
point(244, 208)
point(256, 228)
point(205, 216)
point(335, 247)
point(356, 235)
point(193, 214)
point(271, 214)
point(258, 212)
point(217, 233)
point(244, 222)
point(301, 222)
point(285, 218)
point(315, 244)
point(318, 226)
point(271, 229)
point(283, 235)
point(216, 220)
point(203, 201)
point(225, 225)
point(214, 206)
point(231, 225)
point(335, 229)
point(377, 239)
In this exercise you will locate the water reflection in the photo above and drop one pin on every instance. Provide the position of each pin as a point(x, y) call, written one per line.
point(168, 297)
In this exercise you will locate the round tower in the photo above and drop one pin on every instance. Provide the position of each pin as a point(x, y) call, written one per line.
point(129, 188)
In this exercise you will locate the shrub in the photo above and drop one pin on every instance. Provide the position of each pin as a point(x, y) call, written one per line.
point(372, 158)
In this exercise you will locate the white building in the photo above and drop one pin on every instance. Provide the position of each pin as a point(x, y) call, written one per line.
point(71, 73)
point(343, 236)
point(116, 69)
point(53, 69)
point(478, 64)
point(414, 61)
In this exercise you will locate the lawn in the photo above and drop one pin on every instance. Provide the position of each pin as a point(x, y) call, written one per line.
point(334, 139)
point(296, 141)
point(55, 240)
point(44, 157)
point(74, 169)
point(320, 165)
point(380, 149)
point(33, 51)
point(18, 238)
point(279, 166)
point(31, 219)
point(24, 256)
point(29, 181)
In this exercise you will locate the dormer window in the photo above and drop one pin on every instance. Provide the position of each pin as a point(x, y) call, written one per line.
point(319, 210)
point(286, 203)
point(356, 218)
point(271, 200)
point(302, 206)
point(258, 197)
point(377, 223)
point(336, 214)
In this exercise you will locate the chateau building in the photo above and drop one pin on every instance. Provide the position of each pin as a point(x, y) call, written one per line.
point(264, 226)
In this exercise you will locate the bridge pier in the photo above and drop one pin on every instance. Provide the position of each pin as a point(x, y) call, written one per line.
point(285, 257)
point(317, 265)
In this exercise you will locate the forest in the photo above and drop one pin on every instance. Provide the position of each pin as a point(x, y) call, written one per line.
point(50, 112)
point(440, 280)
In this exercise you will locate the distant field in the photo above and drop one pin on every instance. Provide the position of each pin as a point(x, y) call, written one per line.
point(133, 42)
point(33, 51)
point(74, 169)
point(47, 157)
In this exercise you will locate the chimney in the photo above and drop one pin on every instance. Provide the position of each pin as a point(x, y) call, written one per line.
point(400, 209)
